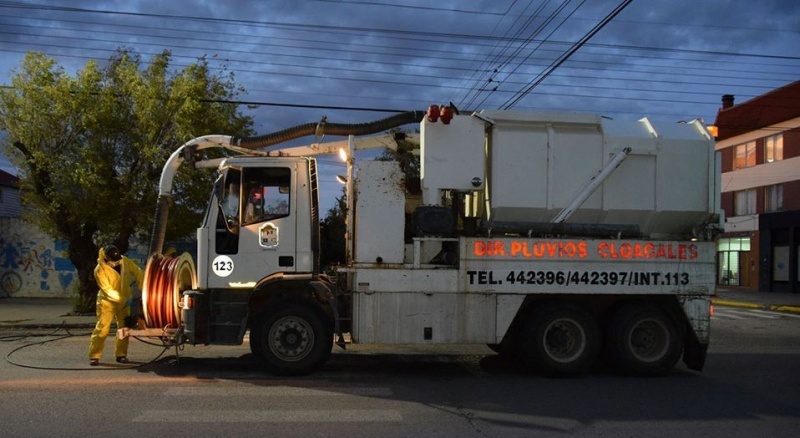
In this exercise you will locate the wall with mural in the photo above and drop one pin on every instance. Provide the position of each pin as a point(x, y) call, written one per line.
point(34, 265)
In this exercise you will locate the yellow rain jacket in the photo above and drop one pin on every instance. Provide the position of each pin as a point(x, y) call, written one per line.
point(116, 286)
point(116, 289)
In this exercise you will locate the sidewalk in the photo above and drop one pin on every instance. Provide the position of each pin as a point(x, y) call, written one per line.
point(28, 313)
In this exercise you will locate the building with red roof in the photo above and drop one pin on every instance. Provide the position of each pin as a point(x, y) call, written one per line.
point(759, 146)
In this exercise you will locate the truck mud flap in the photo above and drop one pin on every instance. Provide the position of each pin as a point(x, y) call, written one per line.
point(694, 353)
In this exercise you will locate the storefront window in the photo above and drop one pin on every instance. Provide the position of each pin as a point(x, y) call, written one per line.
point(734, 244)
point(729, 251)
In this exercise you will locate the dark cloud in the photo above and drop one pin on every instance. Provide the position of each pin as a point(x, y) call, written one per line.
point(667, 59)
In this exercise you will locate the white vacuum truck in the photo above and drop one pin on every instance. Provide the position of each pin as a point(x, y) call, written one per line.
point(559, 239)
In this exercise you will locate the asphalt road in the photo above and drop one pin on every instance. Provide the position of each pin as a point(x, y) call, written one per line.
point(749, 388)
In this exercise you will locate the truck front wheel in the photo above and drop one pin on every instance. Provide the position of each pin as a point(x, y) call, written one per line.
point(643, 340)
point(293, 340)
point(560, 339)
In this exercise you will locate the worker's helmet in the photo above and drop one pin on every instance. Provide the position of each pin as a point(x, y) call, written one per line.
point(112, 253)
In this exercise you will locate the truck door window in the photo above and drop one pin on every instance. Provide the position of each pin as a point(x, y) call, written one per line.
point(227, 226)
point(230, 196)
point(268, 194)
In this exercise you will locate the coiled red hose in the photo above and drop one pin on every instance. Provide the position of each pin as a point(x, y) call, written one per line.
point(165, 279)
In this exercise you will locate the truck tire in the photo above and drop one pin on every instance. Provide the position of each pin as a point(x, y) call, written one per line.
point(560, 339)
point(644, 340)
point(293, 340)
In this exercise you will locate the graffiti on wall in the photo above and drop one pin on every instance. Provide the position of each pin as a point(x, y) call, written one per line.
point(34, 266)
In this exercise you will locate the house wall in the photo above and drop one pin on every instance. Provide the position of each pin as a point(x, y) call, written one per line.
point(9, 202)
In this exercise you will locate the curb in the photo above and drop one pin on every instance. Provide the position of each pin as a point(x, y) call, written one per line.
point(32, 324)
point(45, 326)
point(788, 309)
point(774, 308)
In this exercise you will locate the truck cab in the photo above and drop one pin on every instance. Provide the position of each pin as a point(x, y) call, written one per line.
point(258, 263)
point(257, 223)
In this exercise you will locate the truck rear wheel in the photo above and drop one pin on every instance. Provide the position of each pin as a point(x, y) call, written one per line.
point(644, 340)
point(560, 339)
point(293, 340)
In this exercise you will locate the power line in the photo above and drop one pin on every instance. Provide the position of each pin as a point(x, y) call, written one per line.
point(366, 71)
point(428, 55)
point(298, 105)
point(316, 28)
point(650, 78)
point(493, 66)
point(524, 92)
point(390, 54)
point(417, 7)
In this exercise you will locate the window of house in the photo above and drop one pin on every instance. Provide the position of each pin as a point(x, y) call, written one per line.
point(774, 198)
point(744, 155)
point(773, 148)
point(745, 202)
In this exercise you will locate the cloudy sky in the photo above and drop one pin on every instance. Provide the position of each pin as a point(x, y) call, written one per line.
point(359, 60)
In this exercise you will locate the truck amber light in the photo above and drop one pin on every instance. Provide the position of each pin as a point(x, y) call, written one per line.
point(433, 113)
point(188, 302)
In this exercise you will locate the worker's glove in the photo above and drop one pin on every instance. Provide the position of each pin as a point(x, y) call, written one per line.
point(131, 321)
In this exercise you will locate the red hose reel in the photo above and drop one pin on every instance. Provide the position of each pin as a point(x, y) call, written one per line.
point(165, 279)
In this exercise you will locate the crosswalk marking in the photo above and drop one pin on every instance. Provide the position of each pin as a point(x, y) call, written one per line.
point(752, 312)
point(721, 314)
point(270, 416)
point(736, 314)
point(786, 315)
point(775, 314)
point(278, 391)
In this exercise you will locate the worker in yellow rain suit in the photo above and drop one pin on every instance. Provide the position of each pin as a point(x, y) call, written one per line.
point(116, 276)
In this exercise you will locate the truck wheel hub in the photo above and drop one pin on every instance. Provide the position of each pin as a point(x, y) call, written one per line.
point(649, 340)
point(564, 341)
point(291, 338)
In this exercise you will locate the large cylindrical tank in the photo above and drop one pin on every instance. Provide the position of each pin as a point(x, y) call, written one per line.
point(536, 164)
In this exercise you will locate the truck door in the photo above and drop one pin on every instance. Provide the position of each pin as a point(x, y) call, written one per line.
point(256, 227)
